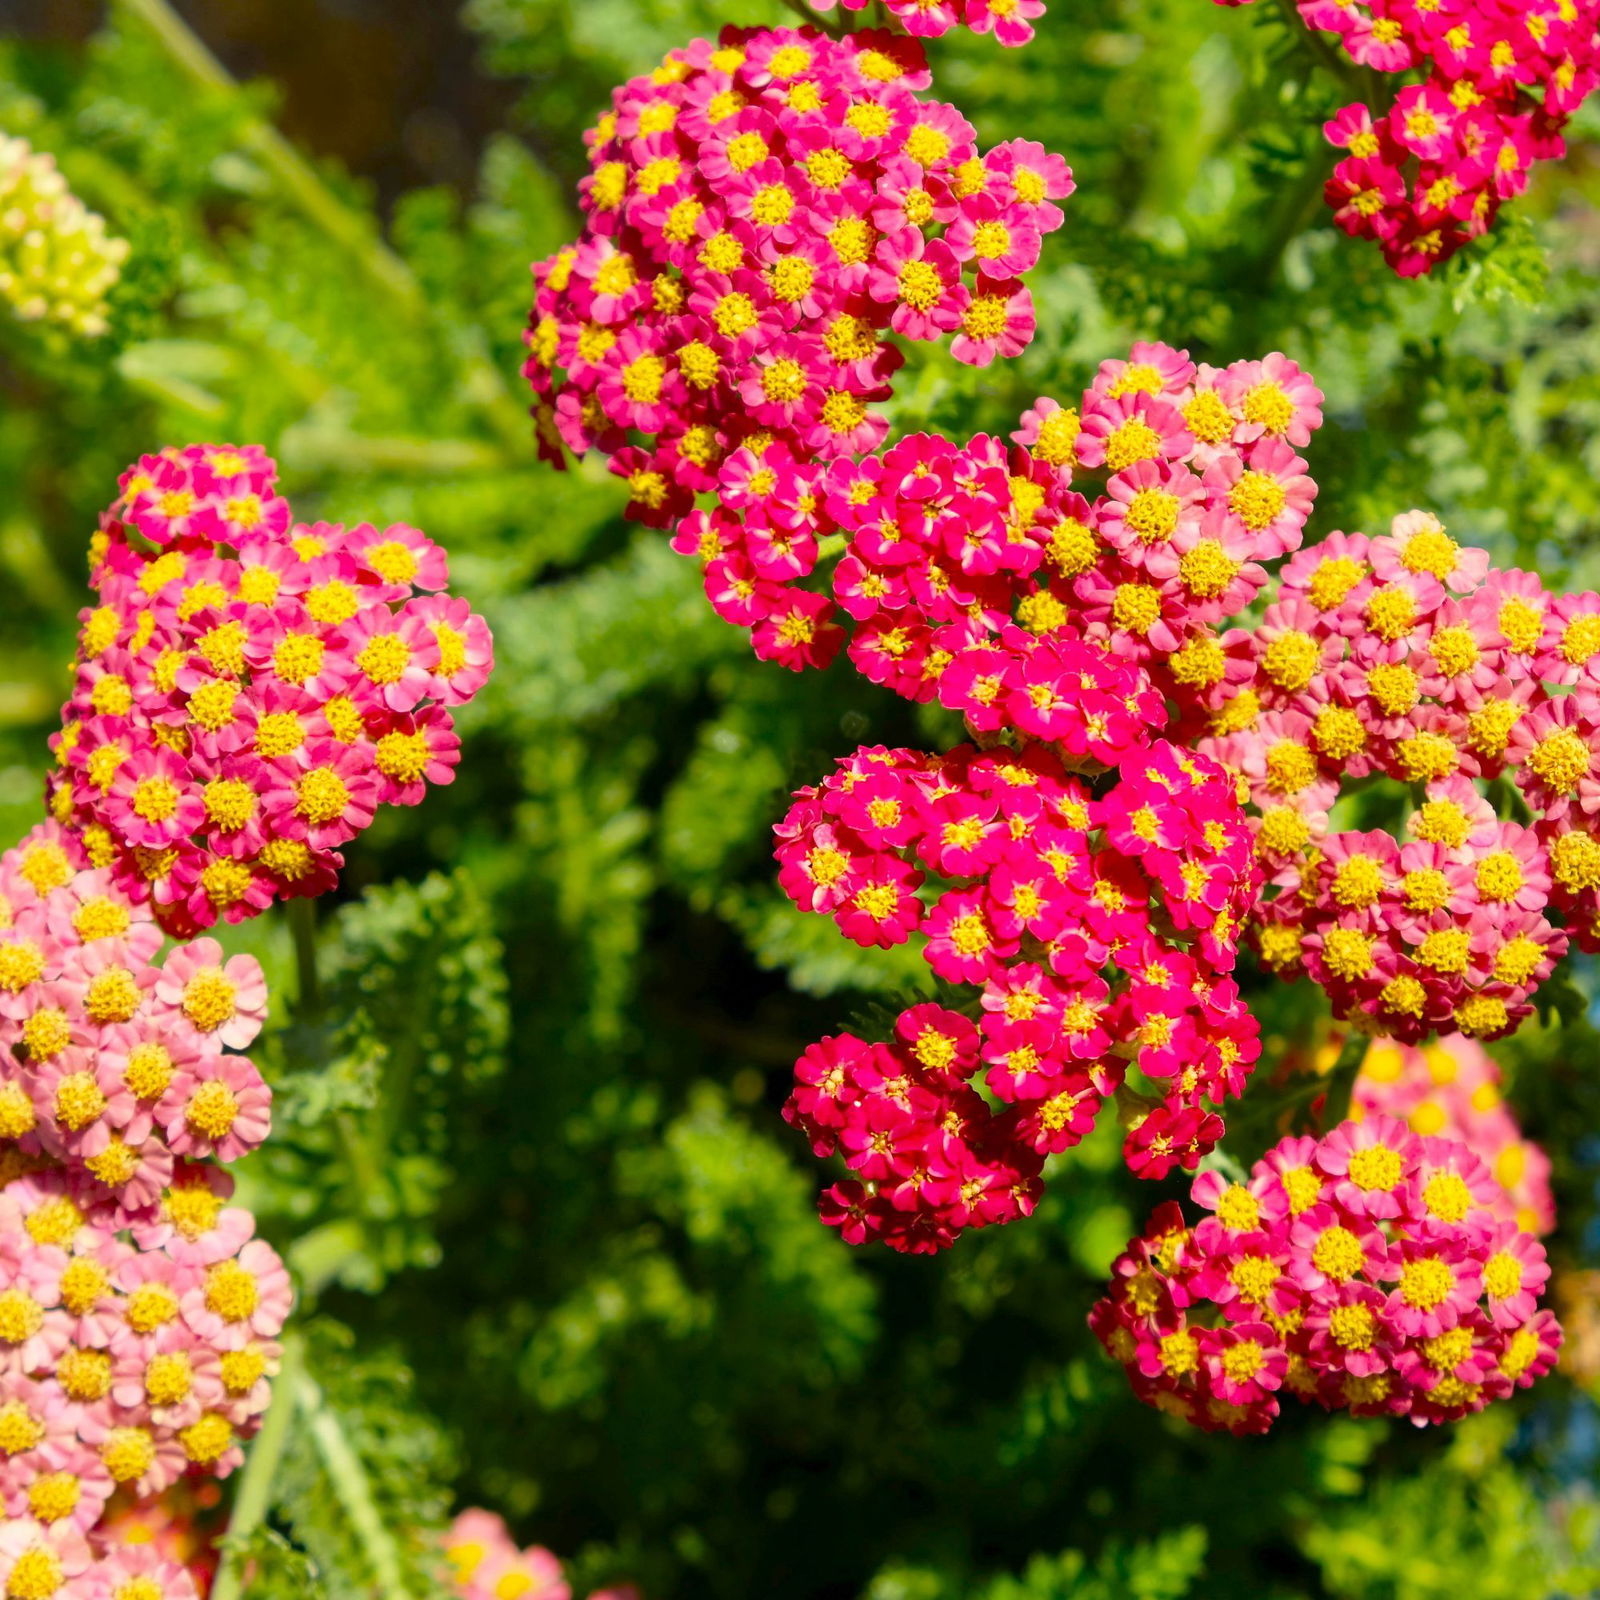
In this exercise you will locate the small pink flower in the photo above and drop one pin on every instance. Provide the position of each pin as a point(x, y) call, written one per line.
point(220, 1108)
point(221, 1000)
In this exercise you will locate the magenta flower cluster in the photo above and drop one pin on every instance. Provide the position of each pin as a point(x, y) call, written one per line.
point(759, 213)
point(248, 691)
point(1364, 1271)
point(1010, 21)
point(958, 560)
point(1100, 932)
point(762, 216)
point(1492, 83)
point(1407, 656)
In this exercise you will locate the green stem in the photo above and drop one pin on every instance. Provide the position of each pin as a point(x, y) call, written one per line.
point(352, 231)
point(254, 1497)
point(354, 1489)
point(303, 929)
point(286, 164)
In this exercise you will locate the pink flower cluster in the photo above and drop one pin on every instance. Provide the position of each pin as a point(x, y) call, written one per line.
point(57, 1563)
point(485, 1564)
point(1365, 1271)
point(249, 690)
point(111, 1063)
point(759, 213)
point(1406, 656)
point(1492, 84)
point(1451, 1089)
point(960, 561)
point(1010, 21)
point(1100, 931)
point(136, 1348)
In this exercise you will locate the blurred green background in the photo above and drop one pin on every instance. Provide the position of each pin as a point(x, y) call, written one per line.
point(556, 1251)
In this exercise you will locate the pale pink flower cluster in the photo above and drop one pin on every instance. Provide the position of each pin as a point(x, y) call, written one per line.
point(759, 213)
point(111, 1062)
point(1407, 656)
point(485, 1564)
point(134, 1350)
point(249, 690)
point(1364, 1271)
point(1451, 1088)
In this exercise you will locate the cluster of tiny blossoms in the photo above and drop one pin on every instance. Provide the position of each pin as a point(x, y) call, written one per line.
point(759, 214)
point(1099, 931)
point(1010, 21)
point(249, 690)
point(114, 1064)
point(1137, 521)
point(181, 1526)
point(1451, 1089)
point(57, 263)
point(238, 715)
point(1491, 85)
point(485, 1564)
point(136, 1349)
point(1366, 1271)
point(1407, 657)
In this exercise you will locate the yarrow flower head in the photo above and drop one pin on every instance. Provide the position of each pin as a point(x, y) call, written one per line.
point(1135, 523)
point(1488, 89)
point(126, 1361)
point(1099, 933)
point(57, 263)
point(484, 1563)
point(759, 215)
point(1451, 1089)
point(1366, 1271)
point(249, 690)
point(1407, 657)
point(1010, 21)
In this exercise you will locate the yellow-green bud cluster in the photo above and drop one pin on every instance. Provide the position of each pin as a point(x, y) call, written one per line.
point(57, 263)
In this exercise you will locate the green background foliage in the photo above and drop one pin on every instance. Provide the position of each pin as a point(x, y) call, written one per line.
point(556, 1251)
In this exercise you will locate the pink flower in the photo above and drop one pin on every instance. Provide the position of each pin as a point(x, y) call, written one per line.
point(224, 1001)
point(323, 795)
point(220, 1108)
point(152, 801)
point(236, 1300)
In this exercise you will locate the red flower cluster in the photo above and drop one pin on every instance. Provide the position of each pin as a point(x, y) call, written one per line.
point(1493, 84)
point(1100, 931)
point(1010, 21)
point(1451, 1089)
point(958, 560)
point(758, 214)
point(1407, 656)
point(1365, 1271)
point(249, 691)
